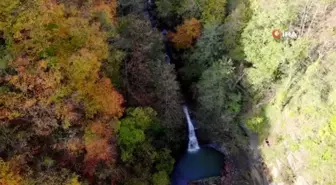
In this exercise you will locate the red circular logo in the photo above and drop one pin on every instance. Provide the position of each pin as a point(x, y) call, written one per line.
point(276, 34)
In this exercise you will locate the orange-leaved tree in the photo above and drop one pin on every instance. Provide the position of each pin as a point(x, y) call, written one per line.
point(54, 85)
point(99, 145)
point(186, 33)
point(57, 55)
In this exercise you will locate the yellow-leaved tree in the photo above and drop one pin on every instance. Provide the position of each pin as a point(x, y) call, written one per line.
point(9, 176)
point(57, 54)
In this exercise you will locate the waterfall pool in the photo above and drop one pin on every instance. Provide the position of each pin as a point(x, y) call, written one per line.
point(198, 162)
point(206, 162)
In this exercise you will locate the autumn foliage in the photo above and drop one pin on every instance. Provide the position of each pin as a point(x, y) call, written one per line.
point(39, 81)
point(186, 33)
point(108, 7)
point(63, 64)
point(108, 99)
point(9, 176)
point(57, 59)
point(55, 86)
point(98, 137)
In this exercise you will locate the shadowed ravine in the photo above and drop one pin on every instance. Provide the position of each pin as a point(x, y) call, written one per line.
point(197, 162)
point(210, 159)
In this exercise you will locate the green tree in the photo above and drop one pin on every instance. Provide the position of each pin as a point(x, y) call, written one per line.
point(219, 99)
point(147, 79)
point(293, 87)
point(233, 27)
point(131, 6)
point(132, 130)
point(167, 8)
point(169, 97)
point(213, 10)
point(146, 161)
point(160, 178)
point(189, 9)
point(266, 53)
point(208, 49)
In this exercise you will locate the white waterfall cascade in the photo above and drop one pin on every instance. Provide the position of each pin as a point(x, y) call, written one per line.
point(193, 143)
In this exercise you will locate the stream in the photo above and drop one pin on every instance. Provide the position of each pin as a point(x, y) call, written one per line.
point(198, 162)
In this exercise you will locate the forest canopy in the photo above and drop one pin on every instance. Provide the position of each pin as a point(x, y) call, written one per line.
point(91, 91)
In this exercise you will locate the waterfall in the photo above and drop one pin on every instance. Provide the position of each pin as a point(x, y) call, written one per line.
point(193, 143)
